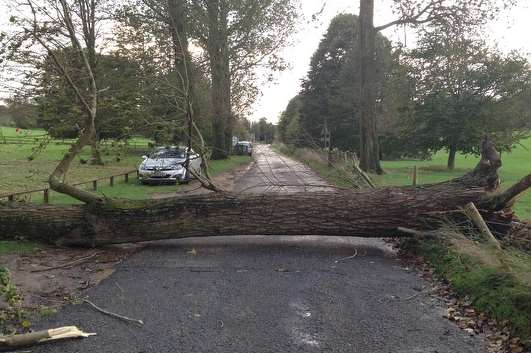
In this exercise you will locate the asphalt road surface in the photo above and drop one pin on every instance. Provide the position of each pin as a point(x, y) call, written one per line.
point(264, 294)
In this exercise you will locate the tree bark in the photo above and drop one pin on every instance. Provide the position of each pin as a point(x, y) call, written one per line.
point(367, 213)
point(452, 152)
point(95, 154)
point(218, 52)
point(369, 145)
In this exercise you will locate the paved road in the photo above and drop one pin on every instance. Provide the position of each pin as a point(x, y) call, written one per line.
point(262, 294)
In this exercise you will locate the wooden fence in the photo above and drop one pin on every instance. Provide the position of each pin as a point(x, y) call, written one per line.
point(38, 139)
point(11, 197)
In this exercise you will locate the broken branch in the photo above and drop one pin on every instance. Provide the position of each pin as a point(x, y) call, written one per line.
point(38, 337)
point(118, 316)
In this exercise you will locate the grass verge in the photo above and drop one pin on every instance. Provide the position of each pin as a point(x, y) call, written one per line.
point(338, 175)
point(12, 314)
point(502, 295)
point(16, 247)
point(136, 191)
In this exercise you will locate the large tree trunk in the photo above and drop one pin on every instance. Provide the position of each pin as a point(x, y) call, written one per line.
point(369, 145)
point(369, 213)
point(96, 158)
point(218, 52)
point(452, 152)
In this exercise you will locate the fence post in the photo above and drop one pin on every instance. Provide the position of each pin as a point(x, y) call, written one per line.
point(111, 180)
point(46, 196)
point(95, 185)
point(126, 178)
point(415, 176)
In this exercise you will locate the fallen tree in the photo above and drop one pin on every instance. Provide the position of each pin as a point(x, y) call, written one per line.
point(367, 213)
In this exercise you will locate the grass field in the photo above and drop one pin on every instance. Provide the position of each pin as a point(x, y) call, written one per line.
point(516, 165)
point(16, 247)
point(17, 173)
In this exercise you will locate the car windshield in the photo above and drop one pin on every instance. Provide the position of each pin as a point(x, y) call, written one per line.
point(173, 153)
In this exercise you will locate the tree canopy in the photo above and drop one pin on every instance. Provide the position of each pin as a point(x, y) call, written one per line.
point(463, 90)
point(328, 91)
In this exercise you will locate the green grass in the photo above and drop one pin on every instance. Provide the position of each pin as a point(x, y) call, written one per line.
point(223, 166)
point(16, 247)
point(12, 132)
point(17, 173)
point(516, 165)
point(135, 191)
point(14, 315)
point(491, 290)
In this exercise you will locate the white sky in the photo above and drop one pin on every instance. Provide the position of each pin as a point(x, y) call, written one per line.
point(513, 31)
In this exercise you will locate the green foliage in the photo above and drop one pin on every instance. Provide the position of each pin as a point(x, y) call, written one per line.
point(289, 123)
point(5, 117)
point(9, 294)
point(263, 131)
point(256, 32)
point(20, 112)
point(118, 109)
point(329, 93)
point(143, 40)
point(463, 90)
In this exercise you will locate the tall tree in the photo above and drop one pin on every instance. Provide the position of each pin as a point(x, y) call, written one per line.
point(23, 112)
point(218, 53)
point(49, 27)
point(263, 130)
point(326, 95)
point(155, 34)
point(118, 109)
point(369, 147)
point(238, 37)
point(464, 89)
point(289, 124)
point(413, 13)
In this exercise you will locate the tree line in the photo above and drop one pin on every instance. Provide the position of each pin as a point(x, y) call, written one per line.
point(138, 65)
point(446, 93)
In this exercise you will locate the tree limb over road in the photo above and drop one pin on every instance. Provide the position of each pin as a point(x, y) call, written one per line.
point(368, 213)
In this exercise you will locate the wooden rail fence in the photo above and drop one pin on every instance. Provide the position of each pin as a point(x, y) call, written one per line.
point(38, 139)
point(11, 197)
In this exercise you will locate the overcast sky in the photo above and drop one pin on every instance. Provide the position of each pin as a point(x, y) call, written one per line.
point(513, 31)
